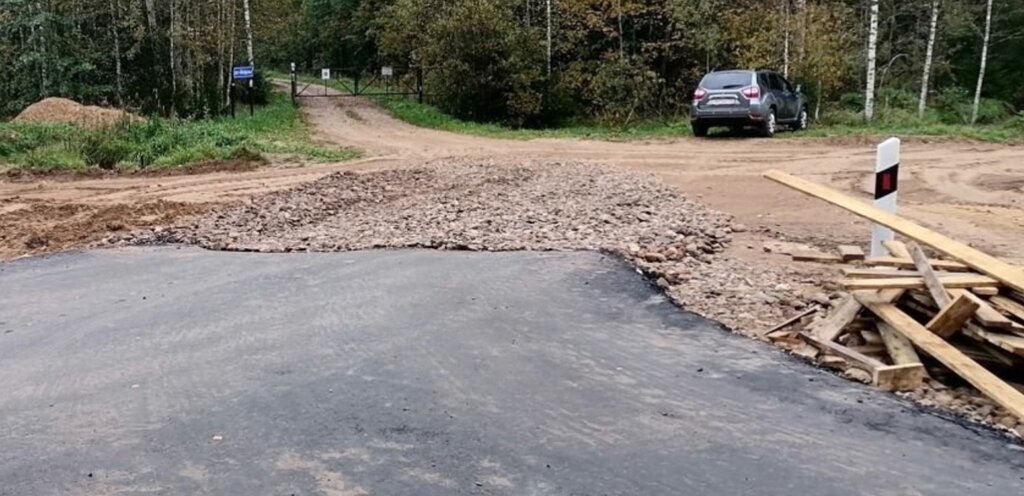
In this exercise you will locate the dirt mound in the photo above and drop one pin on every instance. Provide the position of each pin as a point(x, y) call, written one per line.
point(62, 110)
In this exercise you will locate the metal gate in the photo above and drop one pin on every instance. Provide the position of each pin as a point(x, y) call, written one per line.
point(358, 81)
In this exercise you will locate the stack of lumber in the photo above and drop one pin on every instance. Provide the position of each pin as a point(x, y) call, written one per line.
point(907, 315)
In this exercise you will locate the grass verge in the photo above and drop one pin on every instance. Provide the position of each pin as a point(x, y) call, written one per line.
point(276, 128)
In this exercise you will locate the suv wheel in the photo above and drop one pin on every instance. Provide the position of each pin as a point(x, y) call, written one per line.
point(700, 130)
point(803, 120)
point(768, 128)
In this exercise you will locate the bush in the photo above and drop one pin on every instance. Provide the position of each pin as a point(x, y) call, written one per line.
point(852, 101)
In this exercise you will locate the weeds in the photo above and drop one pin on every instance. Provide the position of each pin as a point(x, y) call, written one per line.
point(276, 128)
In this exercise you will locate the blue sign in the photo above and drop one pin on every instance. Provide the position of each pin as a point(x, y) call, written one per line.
point(243, 73)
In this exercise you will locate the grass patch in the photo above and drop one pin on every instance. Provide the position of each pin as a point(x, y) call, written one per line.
point(276, 128)
point(838, 124)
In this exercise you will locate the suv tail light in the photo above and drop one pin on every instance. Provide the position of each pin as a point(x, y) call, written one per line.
point(751, 91)
point(699, 93)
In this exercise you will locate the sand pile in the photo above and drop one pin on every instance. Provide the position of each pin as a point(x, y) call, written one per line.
point(62, 110)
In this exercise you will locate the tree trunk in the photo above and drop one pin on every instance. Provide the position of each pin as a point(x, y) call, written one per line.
point(869, 87)
point(115, 17)
point(151, 16)
point(785, 38)
point(549, 38)
point(927, 71)
point(984, 62)
point(233, 12)
point(248, 32)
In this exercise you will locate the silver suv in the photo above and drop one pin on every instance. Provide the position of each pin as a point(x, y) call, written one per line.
point(738, 99)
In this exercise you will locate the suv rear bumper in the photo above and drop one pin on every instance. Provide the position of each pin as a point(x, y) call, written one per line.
point(725, 118)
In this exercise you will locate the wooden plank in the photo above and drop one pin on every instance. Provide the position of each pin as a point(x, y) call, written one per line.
point(931, 280)
point(814, 256)
point(986, 291)
point(850, 253)
point(1008, 306)
point(900, 349)
point(859, 359)
point(1010, 343)
point(903, 377)
point(952, 317)
point(958, 281)
point(897, 248)
point(987, 315)
point(794, 320)
point(843, 314)
point(883, 273)
point(908, 263)
point(1008, 274)
point(993, 387)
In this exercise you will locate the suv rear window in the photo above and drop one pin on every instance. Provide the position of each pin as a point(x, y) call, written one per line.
point(726, 80)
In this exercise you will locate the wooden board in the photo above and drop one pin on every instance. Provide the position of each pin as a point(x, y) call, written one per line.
point(1006, 342)
point(850, 253)
point(900, 349)
point(844, 313)
point(1009, 306)
point(814, 256)
point(908, 263)
point(958, 281)
point(1008, 274)
point(902, 377)
point(987, 315)
point(931, 280)
point(897, 248)
point(791, 321)
point(884, 273)
point(986, 291)
point(993, 387)
point(952, 317)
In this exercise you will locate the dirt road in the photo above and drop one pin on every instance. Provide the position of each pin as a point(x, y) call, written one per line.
point(972, 191)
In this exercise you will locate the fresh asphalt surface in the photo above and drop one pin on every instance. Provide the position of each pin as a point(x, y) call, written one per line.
point(179, 372)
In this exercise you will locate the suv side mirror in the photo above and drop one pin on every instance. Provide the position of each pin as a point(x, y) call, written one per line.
point(799, 88)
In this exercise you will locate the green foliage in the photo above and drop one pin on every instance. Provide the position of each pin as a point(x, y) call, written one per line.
point(275, 129)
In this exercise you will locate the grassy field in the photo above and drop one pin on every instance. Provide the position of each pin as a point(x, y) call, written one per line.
point(276, 128)
point(424, 115)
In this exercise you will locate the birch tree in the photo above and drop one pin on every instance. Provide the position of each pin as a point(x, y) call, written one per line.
point(872, 49)
point(248, 32)
point(984, 62)
point(929, 53)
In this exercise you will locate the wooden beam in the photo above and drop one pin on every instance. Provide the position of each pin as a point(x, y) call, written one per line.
point(908, 263)
point(986, 291)
point(901, 377)
point(850, 253)
point(987, 315)
point(952, 317)
point(1008, 306)
point(833, 325)
point(958, 281)
point(791, 321)
point(931, 280)
point(1006, 342)
point(897, 248)
point(1008, 274)
point(900, 349)
point(884, 273)
point(993, 387)
point(814, 256)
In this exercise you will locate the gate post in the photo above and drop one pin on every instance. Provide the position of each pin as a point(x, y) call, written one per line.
point(294, 85)
point(419, 84)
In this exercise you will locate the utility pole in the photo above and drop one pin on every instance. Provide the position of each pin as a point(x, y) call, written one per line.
point(549, 38)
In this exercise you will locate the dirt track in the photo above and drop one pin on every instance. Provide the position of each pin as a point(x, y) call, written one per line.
point(968, 190)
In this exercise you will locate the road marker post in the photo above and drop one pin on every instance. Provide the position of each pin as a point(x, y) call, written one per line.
point(887, 173)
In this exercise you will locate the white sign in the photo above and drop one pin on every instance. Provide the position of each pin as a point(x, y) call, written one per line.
point(387, 71)
point(325, 74)
point(887, 167)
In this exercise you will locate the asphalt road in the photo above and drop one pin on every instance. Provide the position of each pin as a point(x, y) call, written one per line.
point(165, 371)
